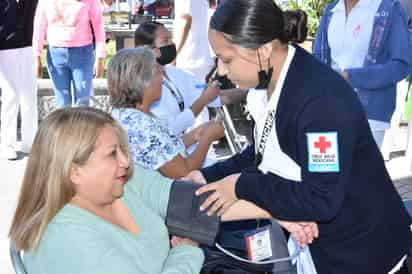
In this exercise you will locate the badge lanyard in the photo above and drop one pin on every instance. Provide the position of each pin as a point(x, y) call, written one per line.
point(265, 136)
point(176, 93)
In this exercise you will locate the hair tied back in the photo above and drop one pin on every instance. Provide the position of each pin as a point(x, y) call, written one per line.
point(295, 26)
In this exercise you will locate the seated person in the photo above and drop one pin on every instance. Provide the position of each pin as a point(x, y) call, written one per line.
point(134, 84)
point(82, 209)
point(184, 100)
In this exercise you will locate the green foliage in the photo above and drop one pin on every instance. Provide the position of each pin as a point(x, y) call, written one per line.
point(314, 10)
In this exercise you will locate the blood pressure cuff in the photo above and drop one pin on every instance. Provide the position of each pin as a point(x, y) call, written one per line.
point(184, 219)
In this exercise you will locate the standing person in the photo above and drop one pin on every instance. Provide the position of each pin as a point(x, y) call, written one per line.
point(190, 35)
point(407, 4)
point(69, 26)
point(379, 55)
point(311, 159)
point(17, 79)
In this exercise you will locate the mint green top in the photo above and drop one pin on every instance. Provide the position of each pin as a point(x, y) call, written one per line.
point(79, 242)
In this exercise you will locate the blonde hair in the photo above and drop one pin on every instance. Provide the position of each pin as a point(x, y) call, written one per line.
point(129, 73)
point(66, 137)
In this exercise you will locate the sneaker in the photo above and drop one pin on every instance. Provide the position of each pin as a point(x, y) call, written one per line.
point(8, 153)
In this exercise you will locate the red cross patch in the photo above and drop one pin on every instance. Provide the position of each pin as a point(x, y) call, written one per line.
point(323, 153)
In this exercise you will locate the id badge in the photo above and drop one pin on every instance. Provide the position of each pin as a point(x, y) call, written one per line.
point(259, 244)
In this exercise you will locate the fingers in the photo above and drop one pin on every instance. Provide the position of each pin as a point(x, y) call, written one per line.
point(212, 202)
point(311, 227)
point(206, 188)
point(209, 201)
point(194, 176)
point(224, 208)
point(300, 236)
point(303, 232)
point(175, 241)
point(315, 229)
point(222, 196)
point(216, 206)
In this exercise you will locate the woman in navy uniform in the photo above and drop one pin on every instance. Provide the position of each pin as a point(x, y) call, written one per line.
point(313, 156)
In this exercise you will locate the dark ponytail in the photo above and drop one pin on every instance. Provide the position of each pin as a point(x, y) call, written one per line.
point(295, 29)
point(145, 33)
point(252, 23)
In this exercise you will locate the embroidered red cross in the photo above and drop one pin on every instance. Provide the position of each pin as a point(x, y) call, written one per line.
point(322, 144)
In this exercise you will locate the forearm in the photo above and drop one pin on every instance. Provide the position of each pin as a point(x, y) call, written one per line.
point(39, 30)
point(199, 104)
point(196, 159)
point(182, 31)
point(232, 96)
point(235, 164)
point(96, 19)
point(244, 210)
point(189, 138)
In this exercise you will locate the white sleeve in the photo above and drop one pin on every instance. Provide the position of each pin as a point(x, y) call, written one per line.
point(181, 122)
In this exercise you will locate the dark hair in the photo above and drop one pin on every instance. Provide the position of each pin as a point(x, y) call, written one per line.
point(145, 33)
point(252, 23)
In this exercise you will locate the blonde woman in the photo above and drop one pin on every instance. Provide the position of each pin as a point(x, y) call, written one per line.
point(82, 210)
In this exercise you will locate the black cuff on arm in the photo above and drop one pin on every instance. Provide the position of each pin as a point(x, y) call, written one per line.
point(211, 173)
point(184, 218)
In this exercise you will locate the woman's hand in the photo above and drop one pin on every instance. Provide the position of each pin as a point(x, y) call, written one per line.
point(38, 68)
point(176, 241)
point(197, 133)
point(213, 130)
point(211, 92)
point(303, 232)
point(193, 136)
point(99, 68)
point(195, 176)
point(223, 195)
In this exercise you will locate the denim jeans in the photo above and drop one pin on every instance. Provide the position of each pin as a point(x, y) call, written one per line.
point(71, 67)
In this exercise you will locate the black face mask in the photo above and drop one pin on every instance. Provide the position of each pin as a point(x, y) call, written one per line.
point(167, 54)
point(263, 76)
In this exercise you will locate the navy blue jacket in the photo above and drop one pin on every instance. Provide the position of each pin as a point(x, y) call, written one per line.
point(364, 227)
point(16, 23)
point(388, 61)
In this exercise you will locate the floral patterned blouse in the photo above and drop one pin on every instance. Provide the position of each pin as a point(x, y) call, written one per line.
point(151, 142)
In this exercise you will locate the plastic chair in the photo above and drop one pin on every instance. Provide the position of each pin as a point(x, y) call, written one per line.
point(16, 260)
point(389, 141)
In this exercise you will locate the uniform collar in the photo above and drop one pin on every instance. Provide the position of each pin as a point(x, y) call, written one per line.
point(340, 7)
point(257, 101)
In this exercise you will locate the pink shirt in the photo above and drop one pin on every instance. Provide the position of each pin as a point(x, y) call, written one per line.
point(66, 23)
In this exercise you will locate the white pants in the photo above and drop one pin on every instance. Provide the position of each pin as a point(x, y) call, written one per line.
point(18, 88)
